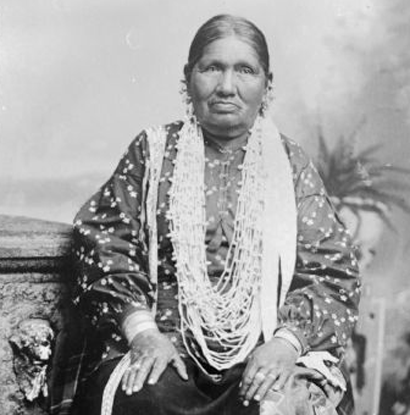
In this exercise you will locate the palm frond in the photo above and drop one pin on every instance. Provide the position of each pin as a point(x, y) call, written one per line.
point(348, 174)
point(386, 198)
point(367, 152)
point(371, 208)
point(386, 168)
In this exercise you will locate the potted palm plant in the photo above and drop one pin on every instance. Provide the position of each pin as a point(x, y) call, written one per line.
point(363, 190)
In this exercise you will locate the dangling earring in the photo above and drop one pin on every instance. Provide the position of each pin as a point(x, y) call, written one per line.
point(186, 100)
point(267, 99)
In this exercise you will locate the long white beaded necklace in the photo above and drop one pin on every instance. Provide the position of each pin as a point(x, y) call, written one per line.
point(244, 303)
point(224, 318)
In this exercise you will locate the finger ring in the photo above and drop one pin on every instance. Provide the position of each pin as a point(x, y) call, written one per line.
point(260, 376)
point(136, 365)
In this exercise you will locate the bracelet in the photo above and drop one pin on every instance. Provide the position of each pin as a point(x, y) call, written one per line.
point(136, 323)
point(291, 338)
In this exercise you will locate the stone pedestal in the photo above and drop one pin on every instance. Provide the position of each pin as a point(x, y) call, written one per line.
point(35, 271)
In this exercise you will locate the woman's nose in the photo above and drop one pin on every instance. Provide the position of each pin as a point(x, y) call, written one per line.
point(226, 85)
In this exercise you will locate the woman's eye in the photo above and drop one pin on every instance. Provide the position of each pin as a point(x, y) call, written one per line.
point(211, 68)
point(246, 70)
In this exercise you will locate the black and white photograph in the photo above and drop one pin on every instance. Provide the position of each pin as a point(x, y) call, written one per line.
point(204, 207)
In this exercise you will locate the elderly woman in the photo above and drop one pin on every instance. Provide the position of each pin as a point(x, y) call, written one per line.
point(213, 270)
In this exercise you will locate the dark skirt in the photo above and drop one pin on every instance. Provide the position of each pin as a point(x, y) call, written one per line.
point(202, 395)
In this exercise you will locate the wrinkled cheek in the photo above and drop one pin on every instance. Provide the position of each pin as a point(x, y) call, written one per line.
point(255, 106)
point(201, 110)
point(199, 102)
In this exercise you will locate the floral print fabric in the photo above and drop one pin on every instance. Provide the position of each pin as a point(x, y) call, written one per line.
point(112, 249)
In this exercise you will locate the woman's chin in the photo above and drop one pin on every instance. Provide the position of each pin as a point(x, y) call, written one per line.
point(225, 124)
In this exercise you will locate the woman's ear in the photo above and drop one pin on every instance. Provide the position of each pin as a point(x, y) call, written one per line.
point(268, 96)
point(184, 90)
point(187, 74)
point(269, 80)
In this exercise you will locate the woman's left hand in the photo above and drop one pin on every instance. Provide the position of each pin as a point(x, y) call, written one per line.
point(268, 367)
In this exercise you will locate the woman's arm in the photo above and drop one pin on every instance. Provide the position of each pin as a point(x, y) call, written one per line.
point(320, 308)
point(322, 304)
point(111, 245)
point(114, 288)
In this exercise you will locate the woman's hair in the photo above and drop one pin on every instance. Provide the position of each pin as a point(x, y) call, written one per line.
point(223, 26)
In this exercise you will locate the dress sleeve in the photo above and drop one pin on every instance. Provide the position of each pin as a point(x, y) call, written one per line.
point(321, 306)
point(111, 244)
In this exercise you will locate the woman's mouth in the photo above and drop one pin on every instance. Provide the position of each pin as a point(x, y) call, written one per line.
point(224, 106)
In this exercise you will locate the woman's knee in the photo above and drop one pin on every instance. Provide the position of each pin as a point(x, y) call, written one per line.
point(168, 390)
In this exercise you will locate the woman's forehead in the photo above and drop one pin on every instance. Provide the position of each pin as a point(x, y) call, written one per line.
point(229, 49)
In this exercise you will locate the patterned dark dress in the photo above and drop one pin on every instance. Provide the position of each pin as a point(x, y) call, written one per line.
point(112, 258)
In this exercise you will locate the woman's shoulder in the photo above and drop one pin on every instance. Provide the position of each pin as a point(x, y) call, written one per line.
point(171, 128)
point(160, 131)
point(302, 168)
point(297, 156)
point(152, 136)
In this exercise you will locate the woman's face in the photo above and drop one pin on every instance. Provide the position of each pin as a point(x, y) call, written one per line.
point(227, 86)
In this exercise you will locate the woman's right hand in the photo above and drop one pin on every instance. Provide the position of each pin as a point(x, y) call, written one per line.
point(151, 353)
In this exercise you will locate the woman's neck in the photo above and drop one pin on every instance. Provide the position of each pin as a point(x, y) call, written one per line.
point(225, 142)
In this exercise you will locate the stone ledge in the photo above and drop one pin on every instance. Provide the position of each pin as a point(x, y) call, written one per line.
point(31, 277)
point(31, 245)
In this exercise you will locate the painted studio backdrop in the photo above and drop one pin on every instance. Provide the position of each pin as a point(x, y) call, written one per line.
point(79, 79)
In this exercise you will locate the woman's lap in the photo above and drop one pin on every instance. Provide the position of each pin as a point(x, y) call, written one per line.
point(200, 395)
